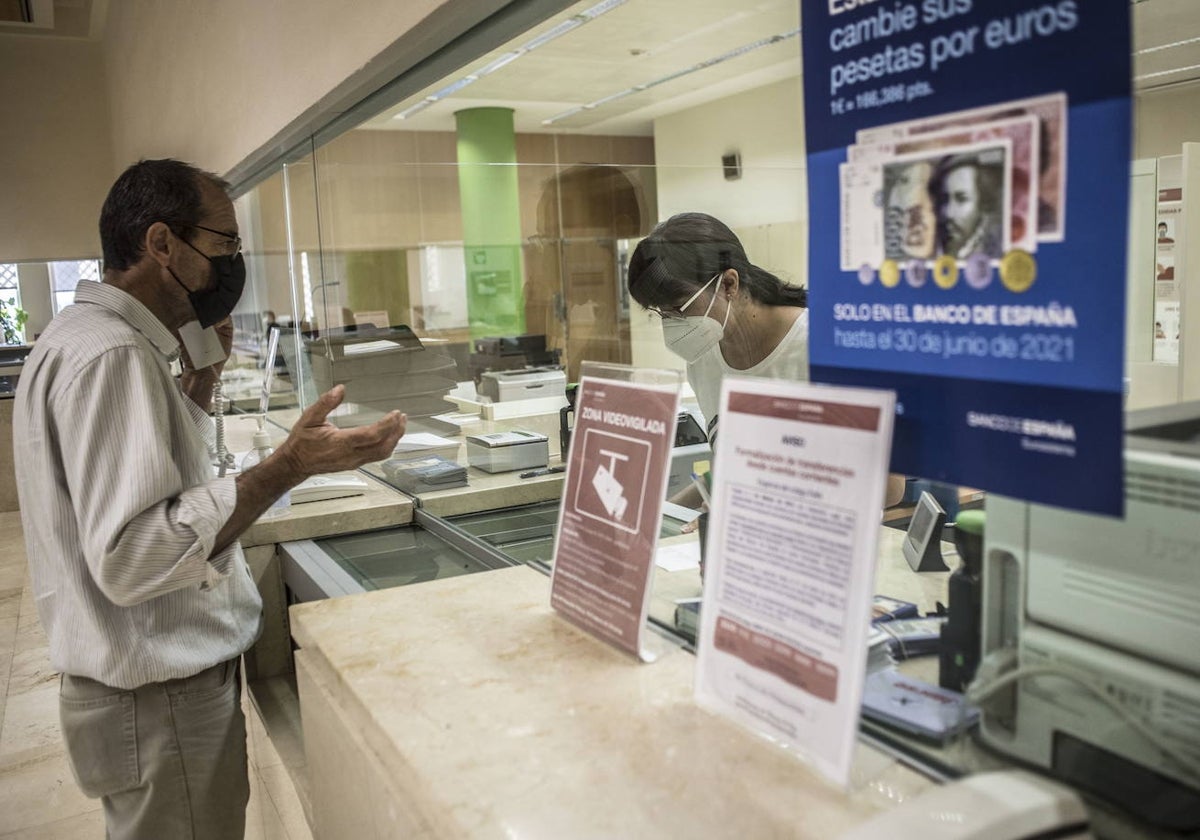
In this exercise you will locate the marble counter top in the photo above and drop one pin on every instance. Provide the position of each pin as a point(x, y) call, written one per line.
point(491, 491)
point(500, 719)
point(380, 507)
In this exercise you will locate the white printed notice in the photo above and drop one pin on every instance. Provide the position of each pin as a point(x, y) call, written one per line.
point(799, 479)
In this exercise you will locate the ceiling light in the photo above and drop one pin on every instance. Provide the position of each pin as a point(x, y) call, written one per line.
point(1166, 72)
point(600, 8)
point(570, 24)
point(557, 32)
point(507, 58)
point(670, 77)
point(1167, 46)
point(413, 109)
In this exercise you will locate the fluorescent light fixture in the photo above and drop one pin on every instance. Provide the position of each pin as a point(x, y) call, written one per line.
point(437, 96)
point(670, 77)
point(1173, 44)
point(1166, 72)
point(600, 8)
point(414, 109)
point(453, 88)
point(557, 31)
point(507, 58)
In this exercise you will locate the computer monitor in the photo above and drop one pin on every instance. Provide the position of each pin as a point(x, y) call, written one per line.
point(923, 542)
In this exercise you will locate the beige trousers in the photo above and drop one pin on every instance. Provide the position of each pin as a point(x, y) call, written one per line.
point(167, 759)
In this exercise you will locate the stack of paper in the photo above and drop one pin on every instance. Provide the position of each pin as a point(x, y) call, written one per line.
point(421, 444)
point(416, 475)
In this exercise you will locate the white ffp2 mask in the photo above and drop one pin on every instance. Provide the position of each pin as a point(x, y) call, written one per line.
point(692, 336)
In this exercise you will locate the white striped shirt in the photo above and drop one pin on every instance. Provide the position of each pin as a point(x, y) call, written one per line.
point(119, 504)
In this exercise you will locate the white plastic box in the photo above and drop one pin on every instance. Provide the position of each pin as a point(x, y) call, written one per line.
point(505, 451)
point(524, 384)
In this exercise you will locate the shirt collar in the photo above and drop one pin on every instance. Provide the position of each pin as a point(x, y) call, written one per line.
point(131, 310)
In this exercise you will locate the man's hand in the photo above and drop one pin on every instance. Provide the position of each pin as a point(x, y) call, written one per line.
point(316, 446)
point(224, 332)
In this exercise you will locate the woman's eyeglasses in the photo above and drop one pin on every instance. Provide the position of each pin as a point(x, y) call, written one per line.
point(669, 313)
point(678, 313)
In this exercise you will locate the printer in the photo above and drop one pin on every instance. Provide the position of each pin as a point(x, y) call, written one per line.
point(508, 352)
point(1095, 621)
point(523, 384)
point(383, 369)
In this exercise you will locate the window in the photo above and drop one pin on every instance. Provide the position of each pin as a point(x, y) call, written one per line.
point(10, 300)
point(65, 276)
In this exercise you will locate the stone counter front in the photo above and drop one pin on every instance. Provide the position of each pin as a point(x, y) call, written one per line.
point(467, 708)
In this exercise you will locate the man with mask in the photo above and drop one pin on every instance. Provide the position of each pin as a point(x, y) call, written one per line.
point(139, 581)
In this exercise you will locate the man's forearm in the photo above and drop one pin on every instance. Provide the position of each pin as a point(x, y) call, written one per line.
point(257, 489)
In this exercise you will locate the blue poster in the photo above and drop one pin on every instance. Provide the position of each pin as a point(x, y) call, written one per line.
point(968, 189)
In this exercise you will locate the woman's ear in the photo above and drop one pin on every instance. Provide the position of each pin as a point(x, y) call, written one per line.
point(730, 282)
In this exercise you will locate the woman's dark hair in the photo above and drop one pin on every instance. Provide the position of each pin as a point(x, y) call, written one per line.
point(150, 191)
point(683, 253)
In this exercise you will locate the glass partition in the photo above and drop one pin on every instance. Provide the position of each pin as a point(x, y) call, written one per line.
point(460, 253)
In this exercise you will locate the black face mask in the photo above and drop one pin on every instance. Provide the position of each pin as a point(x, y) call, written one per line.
point(212, 306)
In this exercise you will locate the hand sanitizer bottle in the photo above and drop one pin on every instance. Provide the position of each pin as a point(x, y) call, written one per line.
point(262, 449)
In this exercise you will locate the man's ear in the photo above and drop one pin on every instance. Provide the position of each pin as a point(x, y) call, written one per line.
point(158, 243)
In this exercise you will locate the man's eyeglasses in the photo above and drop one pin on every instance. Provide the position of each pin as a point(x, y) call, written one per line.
point(233, 237)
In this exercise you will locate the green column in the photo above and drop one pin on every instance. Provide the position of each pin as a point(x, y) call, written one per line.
point(491, 217)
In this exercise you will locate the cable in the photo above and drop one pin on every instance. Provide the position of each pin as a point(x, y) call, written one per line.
point(976, 694)
point(223, 456)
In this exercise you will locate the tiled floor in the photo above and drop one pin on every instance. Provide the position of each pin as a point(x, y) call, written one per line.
point(38, 796)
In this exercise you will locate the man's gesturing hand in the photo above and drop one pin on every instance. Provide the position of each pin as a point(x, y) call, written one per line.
point(316, 446)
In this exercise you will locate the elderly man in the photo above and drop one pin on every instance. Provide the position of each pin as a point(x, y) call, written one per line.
point(140, 583)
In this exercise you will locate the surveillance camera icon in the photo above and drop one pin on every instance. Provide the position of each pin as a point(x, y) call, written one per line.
point(608, 488)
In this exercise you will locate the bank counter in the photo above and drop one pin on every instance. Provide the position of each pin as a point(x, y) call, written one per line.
point(421, 686)
point(466, 708)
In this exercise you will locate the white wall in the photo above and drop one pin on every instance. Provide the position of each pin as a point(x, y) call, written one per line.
point(767, 207)
point(55, 153)
point(1163, 121)
point(766, 126)
point(1166, 119)
point(212, 82)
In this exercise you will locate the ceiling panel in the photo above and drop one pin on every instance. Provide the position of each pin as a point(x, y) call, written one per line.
point(644, 40)
point(636, 43)
point(1166, 42)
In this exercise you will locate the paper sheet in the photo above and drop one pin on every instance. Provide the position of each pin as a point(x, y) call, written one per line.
point(679, 557)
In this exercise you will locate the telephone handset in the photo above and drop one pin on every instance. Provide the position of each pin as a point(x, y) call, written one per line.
point(204, 350)
point(203, 345)
point(999, 805)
